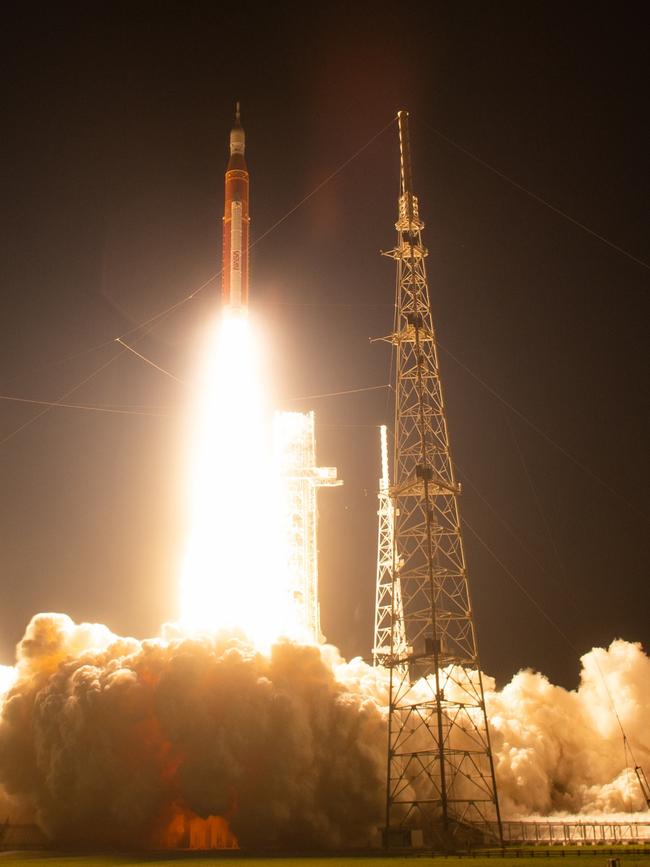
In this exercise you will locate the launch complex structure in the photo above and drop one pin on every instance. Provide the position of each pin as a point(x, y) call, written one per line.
point(440, 771)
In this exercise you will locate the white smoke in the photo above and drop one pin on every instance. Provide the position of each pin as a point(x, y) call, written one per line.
point(560, 751)
point(104, 737)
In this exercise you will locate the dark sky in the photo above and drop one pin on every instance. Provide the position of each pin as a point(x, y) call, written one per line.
point(115, 126)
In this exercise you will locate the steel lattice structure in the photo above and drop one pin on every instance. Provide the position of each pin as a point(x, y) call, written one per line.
point(440, 769)
point(388, 598)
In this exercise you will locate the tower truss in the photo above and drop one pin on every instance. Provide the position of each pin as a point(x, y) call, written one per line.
point(440, 769)
point(389, 615)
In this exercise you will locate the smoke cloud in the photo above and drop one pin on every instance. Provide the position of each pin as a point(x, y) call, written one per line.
point(559, 751)
point(110, 740)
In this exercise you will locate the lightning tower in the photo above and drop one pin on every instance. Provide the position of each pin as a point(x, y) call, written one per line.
point(440, 769)
point(389, 614)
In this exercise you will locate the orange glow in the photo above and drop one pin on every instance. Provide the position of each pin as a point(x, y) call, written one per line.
point(186, 830)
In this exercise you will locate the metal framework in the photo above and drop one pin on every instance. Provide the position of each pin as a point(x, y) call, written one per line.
point(440, 770)
point(295, 446)
point(388, 600)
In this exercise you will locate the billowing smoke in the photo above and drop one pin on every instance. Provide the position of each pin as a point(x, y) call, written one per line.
point(560, 751)
point(108, 738)
point(111, 740)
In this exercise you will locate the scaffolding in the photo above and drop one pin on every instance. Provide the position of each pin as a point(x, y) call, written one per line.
point(440, 774)
point(300, 478)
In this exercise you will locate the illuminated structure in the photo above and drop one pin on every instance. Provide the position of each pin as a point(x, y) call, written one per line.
point(440, 769)
point(300, 479)
point(388, 610)
point(236, 225)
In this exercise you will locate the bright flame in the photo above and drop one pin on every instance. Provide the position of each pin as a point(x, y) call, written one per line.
point(232, 577)
point(186, 830)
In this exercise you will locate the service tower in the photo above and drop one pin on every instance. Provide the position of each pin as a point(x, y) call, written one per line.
point(236, 222)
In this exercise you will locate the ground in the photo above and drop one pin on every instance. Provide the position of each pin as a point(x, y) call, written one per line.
point(596, 857)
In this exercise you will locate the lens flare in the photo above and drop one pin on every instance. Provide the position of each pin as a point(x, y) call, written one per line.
point(233, 575)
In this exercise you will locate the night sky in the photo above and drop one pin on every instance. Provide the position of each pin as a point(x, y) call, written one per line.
point(115, 121)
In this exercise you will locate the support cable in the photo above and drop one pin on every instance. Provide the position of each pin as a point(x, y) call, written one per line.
point(337, 393)
point(537, 198)
point(544, 570)
point(536, 498)
point(84, 406)
point(626, 743)
point(148, 360)
point(63, 397)
point(543, 434)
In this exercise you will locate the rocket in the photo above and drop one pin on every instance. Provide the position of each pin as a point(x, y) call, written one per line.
point(236, 221)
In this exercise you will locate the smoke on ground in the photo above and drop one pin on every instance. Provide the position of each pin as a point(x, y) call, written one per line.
point(113, 740)
point(563, 751)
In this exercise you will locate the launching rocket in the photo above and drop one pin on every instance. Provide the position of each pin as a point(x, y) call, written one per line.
point(234, 286)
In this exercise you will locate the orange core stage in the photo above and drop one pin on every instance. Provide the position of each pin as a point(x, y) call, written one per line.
point(236, 222)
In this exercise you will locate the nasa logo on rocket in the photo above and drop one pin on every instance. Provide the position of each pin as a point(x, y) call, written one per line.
point(236, 222)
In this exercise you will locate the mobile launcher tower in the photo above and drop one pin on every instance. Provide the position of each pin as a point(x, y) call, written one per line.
point(440, 774)
point(295, 447)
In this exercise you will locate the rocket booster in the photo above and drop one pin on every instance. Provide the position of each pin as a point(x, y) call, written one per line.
point(236, 221)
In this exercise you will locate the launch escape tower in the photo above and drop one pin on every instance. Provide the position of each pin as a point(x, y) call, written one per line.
point(440, 770)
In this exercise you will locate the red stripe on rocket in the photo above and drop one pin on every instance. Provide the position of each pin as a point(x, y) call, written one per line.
point(236, 222)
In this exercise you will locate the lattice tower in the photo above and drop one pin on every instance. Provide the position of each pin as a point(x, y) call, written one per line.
point(440, 768)
point(389, 615)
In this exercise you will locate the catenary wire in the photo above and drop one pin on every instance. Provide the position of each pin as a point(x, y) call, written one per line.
point(148, 360)
point(62, 398)
point(84, 406)
point(337, 393)
point(558, 629)
point(527, 550)
point(542, 432)
point(533, 195)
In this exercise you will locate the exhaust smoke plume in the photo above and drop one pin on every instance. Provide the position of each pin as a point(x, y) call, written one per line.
point(109, 739)
point(113, 740)
point(560, 751)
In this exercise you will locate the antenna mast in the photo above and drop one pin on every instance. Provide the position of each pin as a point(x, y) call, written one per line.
point(440, 768)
